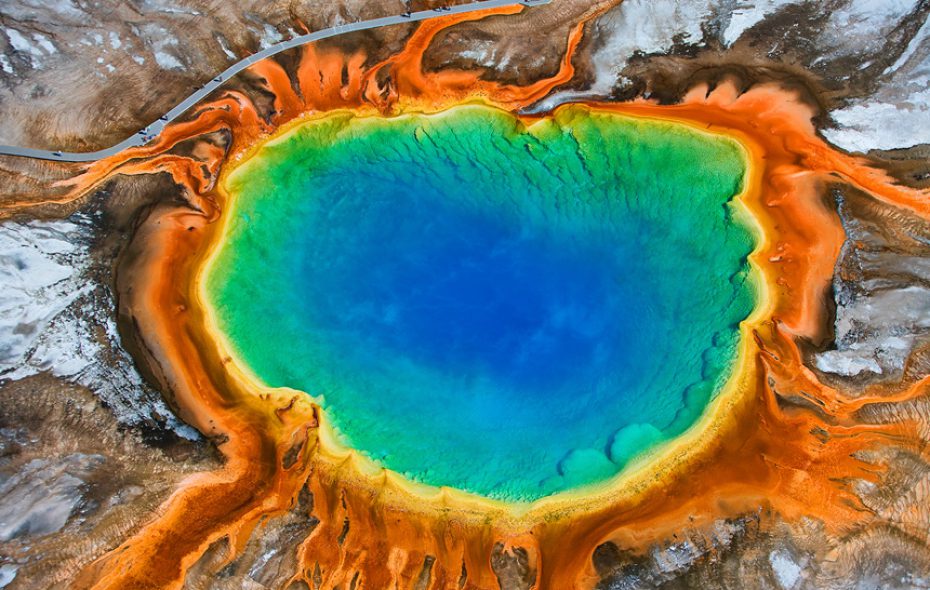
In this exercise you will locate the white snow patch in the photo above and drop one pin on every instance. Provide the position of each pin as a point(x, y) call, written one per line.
point(138, 59)
point(922, 35)
point(20, 43)
point(747, 14)
point(40, 498)
point(865, 21)
point(7, 574)
point(226, 49)
point(38, 269)
point(723, 532)
point(786, 571)
point(270, 36)
point(167, 61)
point(676, 557)
point(895, 319)
point(45, 43)
point(487, 54)
point(58, 11)
point(881, 125)
point(164, 46)
point(261, 562)
point(166, 7)
point(5, 64)
point(646, 26)
point(115, 41)
point(847, 363)
point(897, 115)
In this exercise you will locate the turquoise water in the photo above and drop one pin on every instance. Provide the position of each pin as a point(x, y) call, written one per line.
point(508, 311)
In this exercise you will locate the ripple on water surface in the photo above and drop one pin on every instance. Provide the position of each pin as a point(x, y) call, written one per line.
point(505, 310)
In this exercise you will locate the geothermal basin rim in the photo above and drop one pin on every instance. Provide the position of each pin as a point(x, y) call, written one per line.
point(645, 470)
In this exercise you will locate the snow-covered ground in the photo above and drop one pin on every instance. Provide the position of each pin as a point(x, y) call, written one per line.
point(746, 15)
point(53, 317)
point(643, 26)
point(898, 114)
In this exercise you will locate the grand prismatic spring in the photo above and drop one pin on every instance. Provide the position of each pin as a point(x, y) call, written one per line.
point(453, 324)
point(494, 308)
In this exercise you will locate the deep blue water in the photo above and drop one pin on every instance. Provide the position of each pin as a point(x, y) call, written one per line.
point(510, 313)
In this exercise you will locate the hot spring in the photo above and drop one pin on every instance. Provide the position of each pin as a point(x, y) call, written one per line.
point(506, 308)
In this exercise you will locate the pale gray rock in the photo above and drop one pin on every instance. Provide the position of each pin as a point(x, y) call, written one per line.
point(882, 293)
point(42, 496)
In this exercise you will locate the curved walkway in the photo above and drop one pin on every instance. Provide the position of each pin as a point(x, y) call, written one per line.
point(148, 133)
